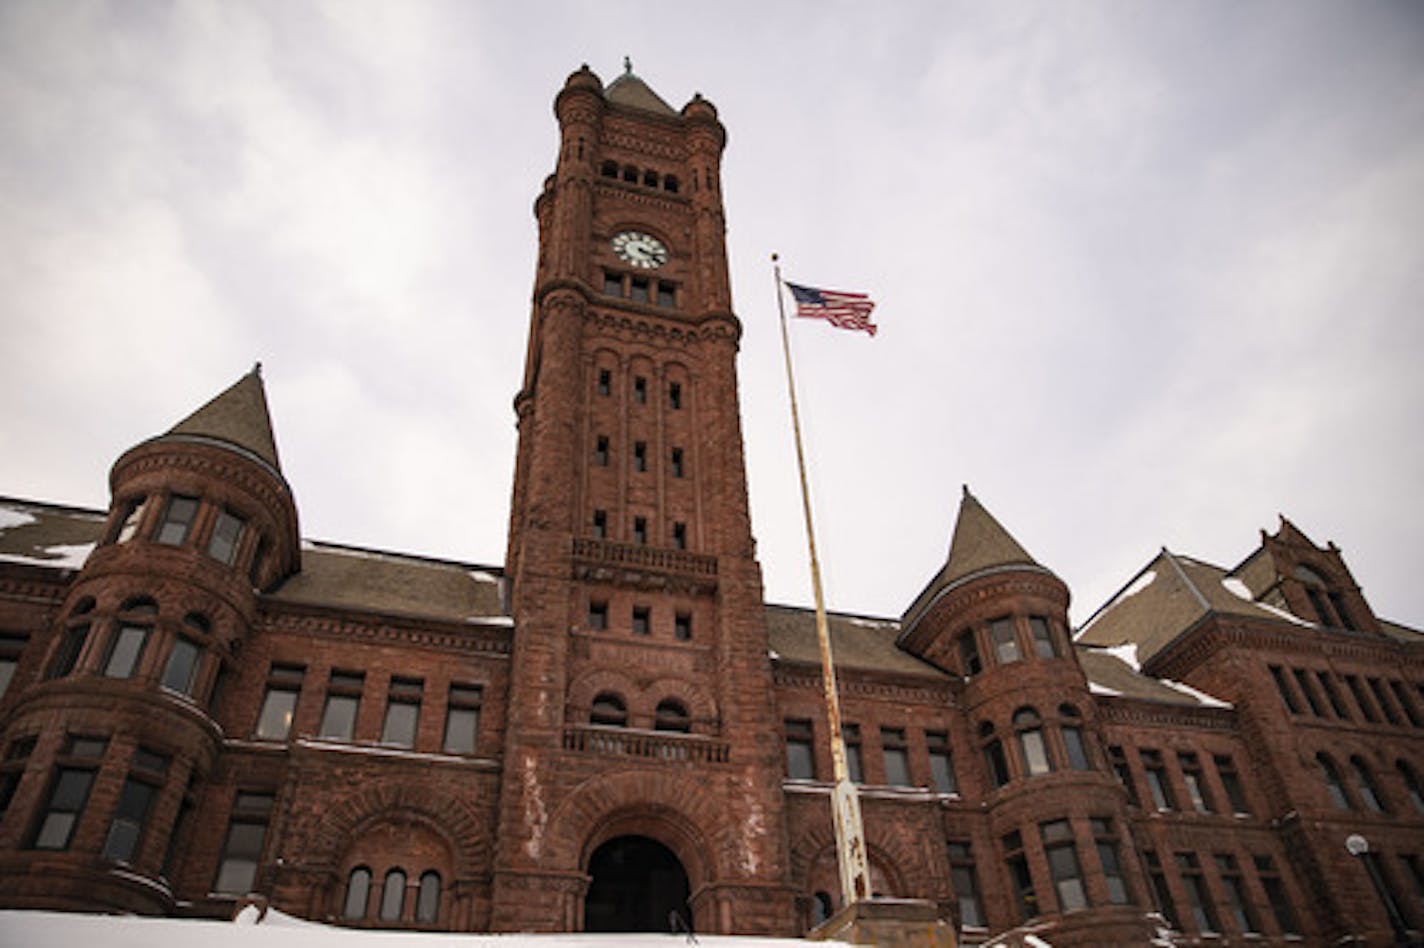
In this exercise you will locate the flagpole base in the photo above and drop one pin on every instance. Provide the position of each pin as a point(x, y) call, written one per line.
point(901, 923)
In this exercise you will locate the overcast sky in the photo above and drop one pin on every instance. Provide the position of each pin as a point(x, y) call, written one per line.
point(1147, 273)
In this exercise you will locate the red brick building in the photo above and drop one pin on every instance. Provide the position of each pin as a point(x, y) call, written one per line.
point(197, 707)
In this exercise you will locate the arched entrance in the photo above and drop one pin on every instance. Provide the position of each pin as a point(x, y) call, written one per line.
point(637, 883)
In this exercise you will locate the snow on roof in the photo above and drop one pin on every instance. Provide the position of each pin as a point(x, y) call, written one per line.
point(1206, 699)
point(277, 930)
point(9, 517)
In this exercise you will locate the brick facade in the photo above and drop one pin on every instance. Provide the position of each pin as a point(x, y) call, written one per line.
point(207, 710)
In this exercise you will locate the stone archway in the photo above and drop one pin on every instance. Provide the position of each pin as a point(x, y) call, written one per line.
point(637, 885)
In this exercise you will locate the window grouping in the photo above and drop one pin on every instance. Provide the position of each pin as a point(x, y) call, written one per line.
point(1192, 905)
point(609, 709)
point(1006, 640)
point(1194, 775)
point(1069, 847)
point(642, 620)
point(641, 177)
point(1320, 693)
point(183, 520)
point(1350, 784)
point(1328, 604)
point(392, 902)
point(640, 288)
point(894, 764)
point(1041, 747)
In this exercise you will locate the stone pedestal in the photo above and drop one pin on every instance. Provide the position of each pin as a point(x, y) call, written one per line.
point(893, 923)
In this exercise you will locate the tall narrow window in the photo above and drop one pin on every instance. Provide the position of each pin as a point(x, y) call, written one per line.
point(969, 661)
point(1347, 620)
point(1156, 773)
point(896, 756)
point(1161, 892)
point(358, 893)
point(855, 765)
point(994, 760)
point(1006, 643)
point(1017, 864)
point(600, 451)
point(640, 456)
point(10, 648)
point(1044, 644)
point(242, 848)
point(130, 520)
point(12, 769)
point(640, 531)
point(227, 534)
point(1367, 710)
point(1195, 782)
point(600, 524)
point(1031, 747)
point(677, 462)
point(674, 396)
point(427, 901)
point(639, 289)
point(177, 520)
point(140, 788)
point(343, 700)
point(1279, 677)
point(966, 884)
point(682, 626)
point(800, 758)
point(1303, 681)
point(393, 896)
point(640, 389)
point(1412, 786)
point(642, 620)
point(1063, 864)
point(1198, 899)
point(180, 672)
point(402, 712)
point(66, 656)
point(597, 615)
point(1106, 841)
point(1383, 700)
point(1275, 889)
point(125, 651)
point(1117, 759)
point(1073, 743)
point(1231, 783)
point(1365, 785)
point(612, 288)
point(1332, 694)
point(1401, 695)
point(1231, 882)
point(1334, 788)
point(462, 719)
point(941, 762)
point(69, 792)
point(667, 294)
point(679, 536)
point(279, 703)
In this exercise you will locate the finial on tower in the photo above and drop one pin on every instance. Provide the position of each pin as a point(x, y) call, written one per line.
point(628, 65)
point(257, 369)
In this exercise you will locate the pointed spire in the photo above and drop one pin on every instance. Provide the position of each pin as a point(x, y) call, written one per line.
point(238, 416)
point(980, 542)
point(633, 92)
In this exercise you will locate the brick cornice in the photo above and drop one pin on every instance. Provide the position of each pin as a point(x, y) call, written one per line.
point(1135, 712)
point(323, 622)
point(859, 684)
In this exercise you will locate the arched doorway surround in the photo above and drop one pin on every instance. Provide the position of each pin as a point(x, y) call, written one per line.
point(636, 885)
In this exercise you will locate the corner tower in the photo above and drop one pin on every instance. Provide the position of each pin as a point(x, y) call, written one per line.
point(641, 722)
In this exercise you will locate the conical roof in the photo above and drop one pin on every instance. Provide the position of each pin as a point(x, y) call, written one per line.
point(238, 416)
point(633, 92)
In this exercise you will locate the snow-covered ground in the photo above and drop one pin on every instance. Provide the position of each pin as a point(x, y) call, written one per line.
point(64, 930)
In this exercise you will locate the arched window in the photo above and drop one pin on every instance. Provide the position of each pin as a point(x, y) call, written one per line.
point(427, 901)
point(822, 908)
point(1034, 753)
point(140, 606)
point(1333, 786)
point(1365, 785)
point(609, 169)
point(650, 178)
point(609, 709)
point(358, 892)
point(198, 622)
point(670, 183)
point(672, 716)
point(994, 760)
point(393, 896)
point(630, 174)
point(1073, 743)
point(1411, 785)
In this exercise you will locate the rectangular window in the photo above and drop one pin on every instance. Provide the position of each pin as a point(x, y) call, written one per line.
point(597, 615)
point(67, 796)
point(1231, 883)
point(343, 700)
point(140, 789)
point(640, 531)
point(1117, 760)
point(1275, 891)
point(666, 295)
point(640, 456)
point(642, 620)
point(1105, 839)
point(1332, 694)
point(1347, 620)
point(1077, 750)
point(177, 839)
point(180, 673)
point(1367, 710)
point(1383, 700)
point(674, 396)
point(1195, 782)
point(997, 763)
point(600, 451)
point(462, 719)
point(279, 703)
point(242, 848)
point(177, 520)
point(800, 757)
point(941, 762)
point(1044, 645)
point(600, 524)
point(640, 389)
point(966, 885)
point(969, 661)
point(1198, 899)
point(129, 520)
point(1017, 864)
point(227, 534)
point(612, 286)
point(855, 769)
point(1279, 677)
point(1063, 864)
point(1401, 694)
point(1161, 892)
point(1156, 771)
point(66, 656)
point(402, 712)
point(1231, 783)
point(639, 286)
point(125, 651)
point(677, 462)
point(896, 756)
point(679, 536)
point(1302, 681)
point(12, 770)
point(605, 377)
point(1006, 643)
point(682, 627)
point(10, 648)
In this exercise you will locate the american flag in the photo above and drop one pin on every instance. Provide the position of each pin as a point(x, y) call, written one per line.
point(842, 310)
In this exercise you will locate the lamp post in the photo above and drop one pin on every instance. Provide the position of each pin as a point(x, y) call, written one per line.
point(1359, 847)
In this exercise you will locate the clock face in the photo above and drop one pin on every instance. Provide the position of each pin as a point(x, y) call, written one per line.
point(641, 250)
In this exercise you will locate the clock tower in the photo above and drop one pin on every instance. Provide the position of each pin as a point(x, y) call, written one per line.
point(642, 770)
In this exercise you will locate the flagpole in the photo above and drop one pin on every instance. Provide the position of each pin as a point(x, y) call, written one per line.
point(845, 802)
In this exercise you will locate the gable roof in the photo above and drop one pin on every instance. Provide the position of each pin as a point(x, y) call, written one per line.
point(237, 416)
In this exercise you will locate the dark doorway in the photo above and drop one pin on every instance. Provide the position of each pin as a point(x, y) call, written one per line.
point(637, 884)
